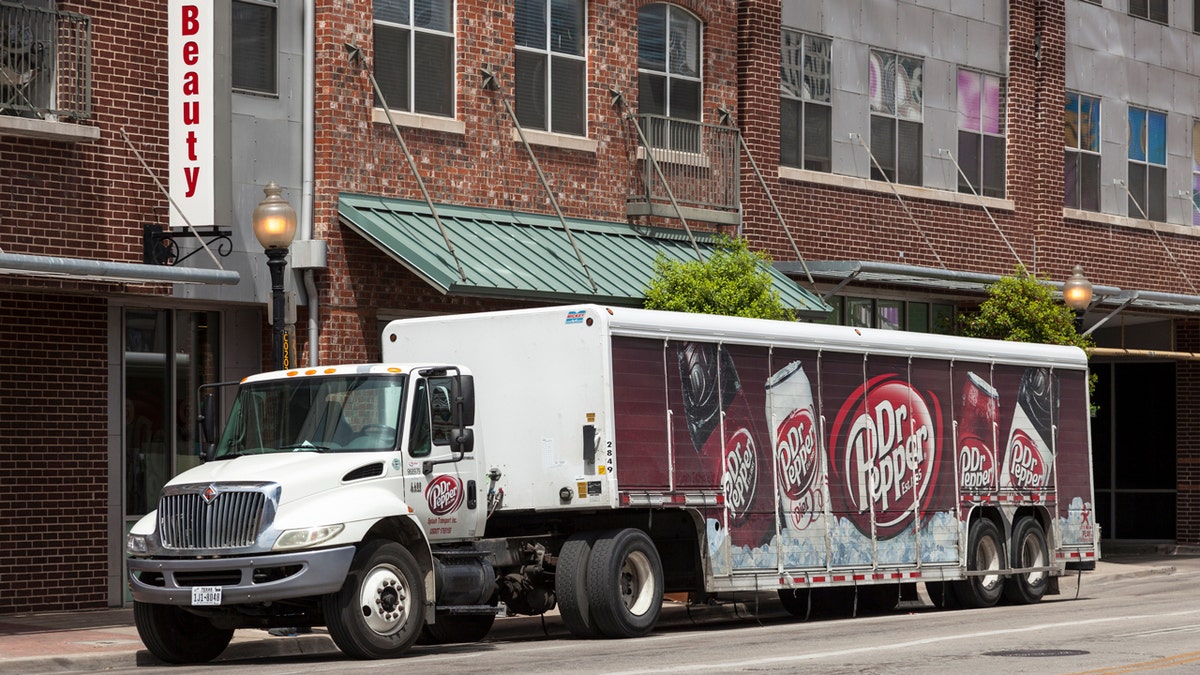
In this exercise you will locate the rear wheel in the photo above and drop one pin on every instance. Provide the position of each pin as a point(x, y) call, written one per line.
point(175, 635)
point(625, 584)
point(985, 553)
point(1028, 550)
point(570, 585)
point(796, 601)
point(379, 611)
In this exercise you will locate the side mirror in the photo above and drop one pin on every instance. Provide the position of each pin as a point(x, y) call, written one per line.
point(466, 400)
point(464, 442)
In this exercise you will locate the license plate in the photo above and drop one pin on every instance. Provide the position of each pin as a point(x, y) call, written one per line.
point(206, 595)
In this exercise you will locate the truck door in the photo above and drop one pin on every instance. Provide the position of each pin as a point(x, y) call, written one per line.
point(441, 473)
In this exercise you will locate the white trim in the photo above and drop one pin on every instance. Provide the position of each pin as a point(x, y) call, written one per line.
point(909, 191)
point(552, 140)
point(1132, 223)
point(413, 120)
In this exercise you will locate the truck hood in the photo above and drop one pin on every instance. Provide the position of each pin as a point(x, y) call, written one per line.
point(302, 473)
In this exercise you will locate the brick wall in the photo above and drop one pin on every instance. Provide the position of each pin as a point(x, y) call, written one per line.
point(1187, 435)
point(83, 200)
point(53, 452)
point(482, 167)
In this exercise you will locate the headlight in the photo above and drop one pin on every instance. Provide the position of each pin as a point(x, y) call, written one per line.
point(308, 536)
point(136, 544)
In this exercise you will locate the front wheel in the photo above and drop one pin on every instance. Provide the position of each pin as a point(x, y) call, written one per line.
point(1028, 550)
point(625, 584)
point(379, 611)
point(985, 553)
point(175, 635)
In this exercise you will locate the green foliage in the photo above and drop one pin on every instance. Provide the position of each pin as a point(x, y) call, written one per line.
point(732, 281)
point(1021, 308)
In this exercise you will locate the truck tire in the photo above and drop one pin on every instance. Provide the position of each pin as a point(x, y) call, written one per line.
point(624, 584)
point(941, 594)
point(985, 551)
point(175, 635)
point(796, 602)
point(570, 585)
point(460, 628)
point(379, 611)
point(1028, 550)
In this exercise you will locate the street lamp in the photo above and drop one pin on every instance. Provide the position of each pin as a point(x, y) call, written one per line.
point(275, 226)
point(1077, 293)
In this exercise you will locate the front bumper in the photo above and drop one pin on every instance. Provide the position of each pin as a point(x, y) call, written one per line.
point(243, 580)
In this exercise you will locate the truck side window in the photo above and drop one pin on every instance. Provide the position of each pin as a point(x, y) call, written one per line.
point(419, 435)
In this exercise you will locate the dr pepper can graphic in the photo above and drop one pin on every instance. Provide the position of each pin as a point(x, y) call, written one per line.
point(1029, 454)
point(977, 467)
point(711, 387)
point(799, 462)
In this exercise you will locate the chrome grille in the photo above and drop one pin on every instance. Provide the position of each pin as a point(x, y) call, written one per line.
point(231, 520)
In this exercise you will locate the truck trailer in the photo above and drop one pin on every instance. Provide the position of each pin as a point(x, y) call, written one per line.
point(595, 458)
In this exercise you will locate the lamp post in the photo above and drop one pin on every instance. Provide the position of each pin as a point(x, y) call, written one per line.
point(275, 226)
point(1077, 294)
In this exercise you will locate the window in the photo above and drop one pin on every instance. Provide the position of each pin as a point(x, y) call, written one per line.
point(921, 317)
point(1196, 172)
point(414, 55)
point(805, 111)
point(981, 141)
point(669, 82)
point(254, 46)
point(896, 116)
point(1147, 164)
point(1154, 10)
point(419, 434)
point(1082, 137)
point(551, 77)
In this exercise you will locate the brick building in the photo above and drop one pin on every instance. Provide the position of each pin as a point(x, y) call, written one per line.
point(545, 135)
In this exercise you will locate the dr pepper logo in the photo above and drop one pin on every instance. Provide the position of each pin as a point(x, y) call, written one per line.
point(886, 443)
point(1027, 470)
point(799, 468)
point(741, 472)
point(444, 495)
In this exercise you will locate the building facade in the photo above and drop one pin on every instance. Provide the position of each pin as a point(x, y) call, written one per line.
point(455, 156)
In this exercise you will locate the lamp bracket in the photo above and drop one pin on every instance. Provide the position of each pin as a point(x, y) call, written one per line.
point(160, 248)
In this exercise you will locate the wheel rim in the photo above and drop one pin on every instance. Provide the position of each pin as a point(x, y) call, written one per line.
point(636, 583)
point(1032, 555)
point(385, 600)
point(987, 557)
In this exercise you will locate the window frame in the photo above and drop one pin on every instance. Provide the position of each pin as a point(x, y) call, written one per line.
point(1154, 206)
point(270, 52)
point(1195, 207)
point(549, 55)
point(1147, 11)
point(1078, 153)
point(671, 79)
point(896, 121)
point(806, 103)
point(979, 169)
point(413, 103)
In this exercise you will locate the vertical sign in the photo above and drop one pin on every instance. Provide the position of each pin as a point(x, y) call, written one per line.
point(190, 101)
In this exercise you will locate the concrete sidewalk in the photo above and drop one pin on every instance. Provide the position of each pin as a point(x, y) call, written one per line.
point(90, 641)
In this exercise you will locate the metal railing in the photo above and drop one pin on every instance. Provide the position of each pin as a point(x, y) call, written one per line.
point(699, 163)
point(45, 62)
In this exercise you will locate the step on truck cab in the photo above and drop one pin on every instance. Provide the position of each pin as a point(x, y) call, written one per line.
point(592, 459)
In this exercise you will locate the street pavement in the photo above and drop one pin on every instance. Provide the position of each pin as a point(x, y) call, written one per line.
point(97, 640)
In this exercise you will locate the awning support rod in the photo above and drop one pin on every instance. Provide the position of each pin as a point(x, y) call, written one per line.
point(898, 198)
point(842, 284)
point(619, 99)
point(1128, 301)
point(727, 118)
point(490, 84)
point(945, 152)
point(1154, 229)
point(356, 56)
point(167, 193)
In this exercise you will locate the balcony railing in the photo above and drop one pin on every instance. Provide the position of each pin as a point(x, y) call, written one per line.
point(45, 62)
point(699, 163)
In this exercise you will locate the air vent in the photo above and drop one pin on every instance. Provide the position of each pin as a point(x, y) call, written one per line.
point(368, 471)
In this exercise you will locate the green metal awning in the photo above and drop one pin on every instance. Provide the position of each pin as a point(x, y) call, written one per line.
point(527, 256)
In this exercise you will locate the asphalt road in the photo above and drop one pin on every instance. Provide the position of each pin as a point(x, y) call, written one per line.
point(1116, 625)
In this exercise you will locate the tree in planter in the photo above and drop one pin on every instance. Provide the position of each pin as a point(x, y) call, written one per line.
point(731, 282)
point(1021, 308)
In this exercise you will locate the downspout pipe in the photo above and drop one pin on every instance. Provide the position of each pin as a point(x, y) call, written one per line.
point(306, 202)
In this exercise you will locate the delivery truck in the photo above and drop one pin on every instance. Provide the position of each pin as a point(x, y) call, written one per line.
point(591, 459)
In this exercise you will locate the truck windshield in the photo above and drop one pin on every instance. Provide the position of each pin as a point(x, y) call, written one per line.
point(358, 413)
